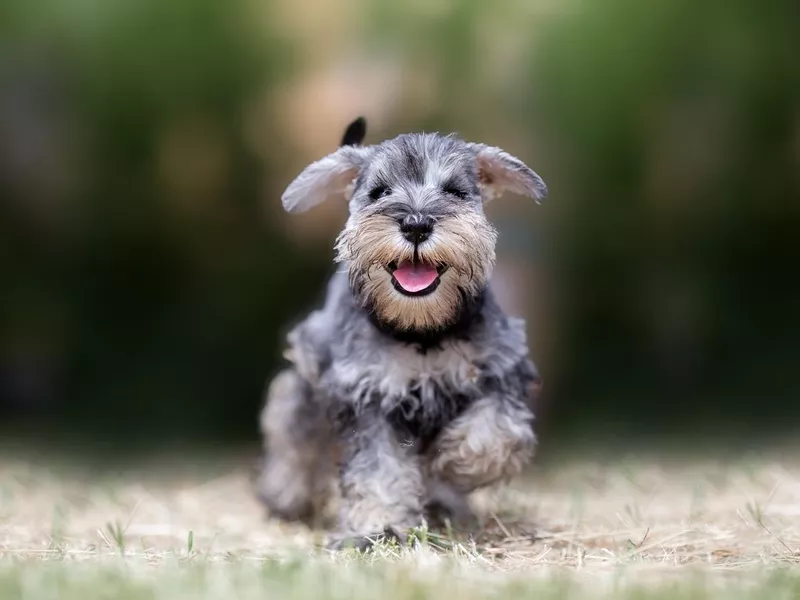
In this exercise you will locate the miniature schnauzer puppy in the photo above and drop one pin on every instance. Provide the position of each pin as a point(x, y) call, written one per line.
point(410, 376)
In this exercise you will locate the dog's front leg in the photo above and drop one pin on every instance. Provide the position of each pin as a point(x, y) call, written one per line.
point(381, 482)
point(490, 442)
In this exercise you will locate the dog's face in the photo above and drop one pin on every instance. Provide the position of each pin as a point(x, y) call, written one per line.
point(417, 244)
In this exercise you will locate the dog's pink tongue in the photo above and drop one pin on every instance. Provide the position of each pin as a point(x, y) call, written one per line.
point(415, 277)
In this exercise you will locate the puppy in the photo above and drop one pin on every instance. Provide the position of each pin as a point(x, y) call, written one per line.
point(410, 385)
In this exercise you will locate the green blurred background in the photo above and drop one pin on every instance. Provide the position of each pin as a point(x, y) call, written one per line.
point(148, 274)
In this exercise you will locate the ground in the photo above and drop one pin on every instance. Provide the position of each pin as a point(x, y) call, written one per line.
point(619, 529)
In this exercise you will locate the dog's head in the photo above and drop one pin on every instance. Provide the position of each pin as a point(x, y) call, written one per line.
point(417, 244)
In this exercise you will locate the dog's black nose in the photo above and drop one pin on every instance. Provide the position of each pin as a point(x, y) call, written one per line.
point(416, 228)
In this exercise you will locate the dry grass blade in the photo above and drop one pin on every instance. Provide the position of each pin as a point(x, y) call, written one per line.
point(655, 523)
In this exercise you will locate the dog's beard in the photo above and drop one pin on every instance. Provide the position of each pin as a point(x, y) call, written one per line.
point(461, 248)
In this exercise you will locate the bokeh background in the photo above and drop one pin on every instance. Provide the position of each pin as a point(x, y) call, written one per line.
point(148, 274)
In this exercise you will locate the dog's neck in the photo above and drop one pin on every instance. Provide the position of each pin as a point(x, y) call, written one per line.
point(470, 315)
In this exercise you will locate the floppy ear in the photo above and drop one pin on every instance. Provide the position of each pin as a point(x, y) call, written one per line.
point(326, 177)
point(499, 172)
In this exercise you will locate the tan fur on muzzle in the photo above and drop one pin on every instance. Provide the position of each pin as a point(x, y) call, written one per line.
point(463, 242)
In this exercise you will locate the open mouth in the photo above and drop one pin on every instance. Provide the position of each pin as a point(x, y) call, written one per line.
point(415, 278)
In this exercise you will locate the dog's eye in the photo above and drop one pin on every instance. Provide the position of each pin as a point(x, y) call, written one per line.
point(454, 191)
point(380, 191)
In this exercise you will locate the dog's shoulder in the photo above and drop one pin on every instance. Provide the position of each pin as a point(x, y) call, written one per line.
point(502, 339)
point(507, 367)
point(312, 341)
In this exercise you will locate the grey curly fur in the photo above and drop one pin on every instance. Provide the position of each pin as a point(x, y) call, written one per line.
point(417, 400)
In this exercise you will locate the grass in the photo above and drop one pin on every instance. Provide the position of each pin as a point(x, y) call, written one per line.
point(624, 530)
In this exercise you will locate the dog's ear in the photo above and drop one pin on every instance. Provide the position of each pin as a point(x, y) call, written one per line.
point(324, 178)
point(499, 172)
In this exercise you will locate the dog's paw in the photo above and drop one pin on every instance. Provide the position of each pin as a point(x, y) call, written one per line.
point(365, 543)
point(446, 507)
point(442, 515)
point(299, 512)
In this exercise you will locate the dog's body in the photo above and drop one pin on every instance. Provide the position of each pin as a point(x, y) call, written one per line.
point(410, 370)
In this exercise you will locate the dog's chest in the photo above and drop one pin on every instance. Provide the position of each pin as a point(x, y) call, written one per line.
point(418, 392)
point(403, 369)
point(424, 392)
